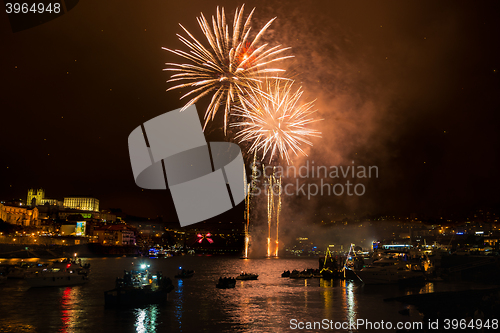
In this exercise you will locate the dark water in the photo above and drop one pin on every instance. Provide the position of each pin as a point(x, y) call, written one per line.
point(265, 305)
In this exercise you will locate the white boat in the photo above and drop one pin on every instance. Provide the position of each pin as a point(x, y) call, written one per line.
point(56, 277)
point(20, 270)
point(67, 272)
point(388, 271)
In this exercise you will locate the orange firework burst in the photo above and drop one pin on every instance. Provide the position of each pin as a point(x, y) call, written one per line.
point(274, 121)
point(231, 63)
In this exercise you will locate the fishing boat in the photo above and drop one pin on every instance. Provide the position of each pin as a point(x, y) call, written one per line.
point(247, 276)
point(139, 287)
point(225, 283)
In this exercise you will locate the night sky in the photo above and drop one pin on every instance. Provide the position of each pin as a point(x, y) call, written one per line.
point(409, 86)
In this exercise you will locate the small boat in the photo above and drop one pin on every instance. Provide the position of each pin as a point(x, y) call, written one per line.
point(226, 282)
point(285, 274)
point(139, 287)
point(305, 275)
point(294, 274)
point(184, 274)
point(247, 276)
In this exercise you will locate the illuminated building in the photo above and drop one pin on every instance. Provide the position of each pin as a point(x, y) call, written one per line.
point(37, 198)
point(19, 215)
point(3, 214)
point(115, 235)
point(74, 229)
point(82, 203)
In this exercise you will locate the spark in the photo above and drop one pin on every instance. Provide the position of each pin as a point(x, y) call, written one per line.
point(230, 64)
point(274, 121)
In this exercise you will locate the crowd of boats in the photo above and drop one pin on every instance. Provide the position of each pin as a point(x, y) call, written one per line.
point(137, 286)
point(390, 265)
point(399, 263)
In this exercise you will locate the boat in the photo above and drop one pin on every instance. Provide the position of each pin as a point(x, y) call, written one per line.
point(247, 276)
point(72, 264)
point(184, 274)
point(20, 270)
point(328, 274)
point(139, 287)
point(225, 283)
point(389, 271)
point(56, 277)
point(285, 274)
point(316, 274)
point(305, 274)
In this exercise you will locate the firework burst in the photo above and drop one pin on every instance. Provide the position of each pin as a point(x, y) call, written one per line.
point(274, 121)
point(231, 63)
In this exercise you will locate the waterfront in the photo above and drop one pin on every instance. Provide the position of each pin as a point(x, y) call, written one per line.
point(265, 305)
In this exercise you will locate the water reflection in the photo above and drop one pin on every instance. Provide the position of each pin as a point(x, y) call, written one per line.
point(70, 311)
point(327, 297)
point(349, 297)
point(179, 302)
point(427, 288)
point(146, 319)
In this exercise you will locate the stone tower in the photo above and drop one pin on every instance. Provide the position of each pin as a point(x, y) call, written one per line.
point(35, 197)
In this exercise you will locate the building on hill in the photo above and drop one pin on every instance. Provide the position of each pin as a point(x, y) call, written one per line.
point(24, 216)
point(82, 203)
point(36, 197)
point(114, 234)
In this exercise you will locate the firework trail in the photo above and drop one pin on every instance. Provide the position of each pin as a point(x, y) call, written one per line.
point(231, 63)
point(272, 118)
point(247, 231)
point(274, 188)
point(251, 186)
point(270, 206)
point(278, 211)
